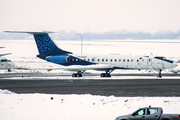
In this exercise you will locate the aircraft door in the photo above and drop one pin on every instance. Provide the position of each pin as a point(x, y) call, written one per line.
point(149, 61)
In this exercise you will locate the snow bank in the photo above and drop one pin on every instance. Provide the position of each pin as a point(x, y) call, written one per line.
point(76, 107)
point(6, 92)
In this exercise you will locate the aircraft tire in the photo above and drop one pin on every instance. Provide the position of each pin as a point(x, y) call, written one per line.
point(105, 75)
point(79, 75)
point(159, 76)
point(76, 75)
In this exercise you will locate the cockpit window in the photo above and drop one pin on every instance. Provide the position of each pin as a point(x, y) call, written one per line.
point(164, 59)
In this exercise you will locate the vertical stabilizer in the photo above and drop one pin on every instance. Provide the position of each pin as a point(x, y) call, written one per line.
point(45, 45)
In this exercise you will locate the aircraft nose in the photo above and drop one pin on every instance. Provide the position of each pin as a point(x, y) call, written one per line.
point(174, 64)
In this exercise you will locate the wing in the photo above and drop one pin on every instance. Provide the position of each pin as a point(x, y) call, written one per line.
point(5, 54)
point(100, 67)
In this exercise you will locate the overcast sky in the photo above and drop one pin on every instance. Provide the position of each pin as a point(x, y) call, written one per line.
point(90, 15)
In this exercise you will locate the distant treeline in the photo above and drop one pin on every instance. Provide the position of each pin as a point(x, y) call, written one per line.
point(73, 35)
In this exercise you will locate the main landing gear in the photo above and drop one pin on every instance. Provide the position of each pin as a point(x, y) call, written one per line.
point(78, 74)
point(107, 74)
point(159, 75)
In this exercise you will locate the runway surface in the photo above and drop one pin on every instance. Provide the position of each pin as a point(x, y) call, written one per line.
point(168, 86)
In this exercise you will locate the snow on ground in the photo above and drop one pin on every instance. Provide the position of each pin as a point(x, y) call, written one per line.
point(77, 107)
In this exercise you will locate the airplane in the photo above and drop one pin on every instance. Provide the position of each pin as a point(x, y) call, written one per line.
point(6, 64)
point(79, 63)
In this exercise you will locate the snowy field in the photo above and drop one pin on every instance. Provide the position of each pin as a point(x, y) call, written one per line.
point(77, 107)
point(82, 107)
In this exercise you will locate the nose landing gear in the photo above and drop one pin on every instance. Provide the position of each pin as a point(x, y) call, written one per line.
point(105, 75)
point(159, 75)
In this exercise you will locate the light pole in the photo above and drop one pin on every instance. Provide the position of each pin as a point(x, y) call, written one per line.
point(81, 42)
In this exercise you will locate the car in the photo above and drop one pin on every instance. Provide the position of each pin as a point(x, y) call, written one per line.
point(149, 113)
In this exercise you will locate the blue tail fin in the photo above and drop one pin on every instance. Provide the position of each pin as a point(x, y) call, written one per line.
point(46, 46)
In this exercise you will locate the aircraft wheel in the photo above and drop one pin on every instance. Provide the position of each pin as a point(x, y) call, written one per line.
point(108, 75)
point(102, 75)
point(105, 75)
point(159, 76)
point(79, 75)
point(74, 75)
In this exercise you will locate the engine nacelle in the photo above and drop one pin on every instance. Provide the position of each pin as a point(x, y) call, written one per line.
point(58, 59)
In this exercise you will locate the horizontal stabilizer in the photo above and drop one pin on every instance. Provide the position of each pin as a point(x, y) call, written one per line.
point(5, 54)
point(30, 32)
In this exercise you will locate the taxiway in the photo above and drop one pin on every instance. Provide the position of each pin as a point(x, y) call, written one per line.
point(135, 85)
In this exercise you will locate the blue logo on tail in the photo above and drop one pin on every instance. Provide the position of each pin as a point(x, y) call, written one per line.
point(44, 43)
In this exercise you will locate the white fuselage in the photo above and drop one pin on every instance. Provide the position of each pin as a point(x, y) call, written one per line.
point(128, 61)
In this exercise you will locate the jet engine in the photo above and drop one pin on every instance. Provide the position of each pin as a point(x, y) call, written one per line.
point(58, 59)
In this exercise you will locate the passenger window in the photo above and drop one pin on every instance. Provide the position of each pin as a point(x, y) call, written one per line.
point(98, 60)
point(92, 60)
point(128, 60)
point(84, 59)
point(137, 60)
point(131, 60)
point(102, 60)
point(124, 60)
point(106, 60)
point(115, 60)
point(88, 60)
point(111, 60)
point(76, 59)
point(151, 111)
point(119, 60)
